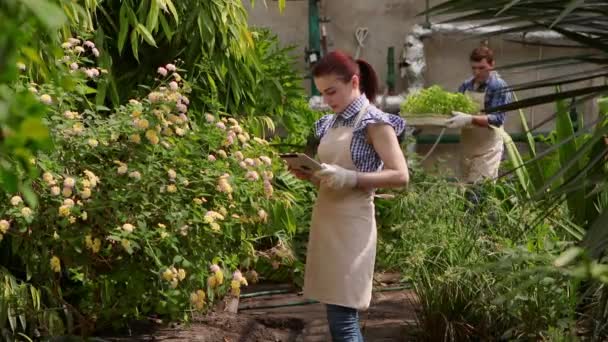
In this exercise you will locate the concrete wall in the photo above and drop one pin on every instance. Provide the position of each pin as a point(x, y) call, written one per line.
point(388, 22)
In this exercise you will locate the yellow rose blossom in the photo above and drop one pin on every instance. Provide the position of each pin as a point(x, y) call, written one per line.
point(127, 227)
point(172, 174)
point(69, 202)
point(143, 124)
point(92, 142)
point(16, 200)
point(85, 193)
point(72, 219)
point(135, 175)
point(84, 216)
point(197, 201)
point(48, 177)
point(135, 138)
point(55, 264)
point(168, 275)
point(67, 192)
point(181, 274)
point(4, 226)
point(161, 226)
point(215, 226)
point(222, 154)
point(164, 235)
point(126, 244)
point(167, 131)
point(152, 137)
point(55, 191)
point(198, 299)
point(135, 113)
point(122, 169)
point(85, 183)
point(242, 138)
point(77, 128)
point(96, 245)
point(171, 188)
point(64, 210)
point(180, 131)
point(26, 212)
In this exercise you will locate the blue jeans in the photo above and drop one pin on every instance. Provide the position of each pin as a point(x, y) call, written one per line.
point(343, 324)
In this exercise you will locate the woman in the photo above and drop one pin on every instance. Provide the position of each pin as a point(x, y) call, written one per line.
point(360, 152)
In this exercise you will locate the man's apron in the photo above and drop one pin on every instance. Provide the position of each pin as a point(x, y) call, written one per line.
point(342, 241)
point(481, 147)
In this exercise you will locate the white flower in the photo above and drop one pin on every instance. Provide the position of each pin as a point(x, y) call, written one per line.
point(184, 100)
point(73, 41)
point(209, 117)
point(127, 227)
point(162, 71)
point(16, 200)
point(55, 191)
point(172, 174)
point(46, 99)
point(170, 67)
point(21, 66)
point(33, 90)
point(180, 131)
point(89, 44)
point(68, 202)
point(182, 108)
point(69, 182)
point(263, 215)
point(95, 52)
point(252, 176)
point(79, 49)
point(69, 115)
point(173, 85)
point(93, 142)
point(211, 157)
point(122, 169)
point(266, 160)
point(26, 212)
point(5, 225)
point(135, 174)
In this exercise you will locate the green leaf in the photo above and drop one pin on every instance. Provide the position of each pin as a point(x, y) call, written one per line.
point(146, 34)
point(34, 129)
point(166, 28)
point(574, 4)
point(135, 44)
point(124, 27)
point(152, 20)
point(51, 15)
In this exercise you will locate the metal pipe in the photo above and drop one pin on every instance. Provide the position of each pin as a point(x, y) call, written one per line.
point(390, 104)
point(314, 39)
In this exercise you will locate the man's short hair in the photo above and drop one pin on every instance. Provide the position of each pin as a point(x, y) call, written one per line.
point(481, 53)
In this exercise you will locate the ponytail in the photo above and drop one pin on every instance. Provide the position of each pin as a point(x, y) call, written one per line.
point(345, 67)
point(369, 80)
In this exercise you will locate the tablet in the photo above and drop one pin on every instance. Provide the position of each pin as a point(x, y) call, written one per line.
point(301, 162)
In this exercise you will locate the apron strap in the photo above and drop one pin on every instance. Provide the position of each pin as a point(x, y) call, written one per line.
point(358, 118)
point(361, 114)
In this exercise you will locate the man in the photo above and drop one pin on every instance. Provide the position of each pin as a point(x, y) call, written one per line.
point(480, 138)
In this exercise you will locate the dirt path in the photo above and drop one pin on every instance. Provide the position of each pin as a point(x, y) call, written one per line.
point(391, 317)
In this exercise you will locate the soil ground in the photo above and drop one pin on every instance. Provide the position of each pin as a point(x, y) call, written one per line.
point(391, 317)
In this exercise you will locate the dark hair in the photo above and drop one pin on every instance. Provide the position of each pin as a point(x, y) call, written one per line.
point(482, 53)
point(345, 67)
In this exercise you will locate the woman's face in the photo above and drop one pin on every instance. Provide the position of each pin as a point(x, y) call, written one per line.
point(337, 93)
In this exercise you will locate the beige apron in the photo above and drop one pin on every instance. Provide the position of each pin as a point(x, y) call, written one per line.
point(481, 148)
point(342, 242)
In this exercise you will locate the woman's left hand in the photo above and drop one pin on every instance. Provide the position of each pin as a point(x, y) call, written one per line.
point(337, 177)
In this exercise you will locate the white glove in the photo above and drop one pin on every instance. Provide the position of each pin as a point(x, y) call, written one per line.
point(459, 120)
point(337, 177)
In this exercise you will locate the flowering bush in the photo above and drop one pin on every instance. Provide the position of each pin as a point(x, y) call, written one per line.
point(142, 208)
